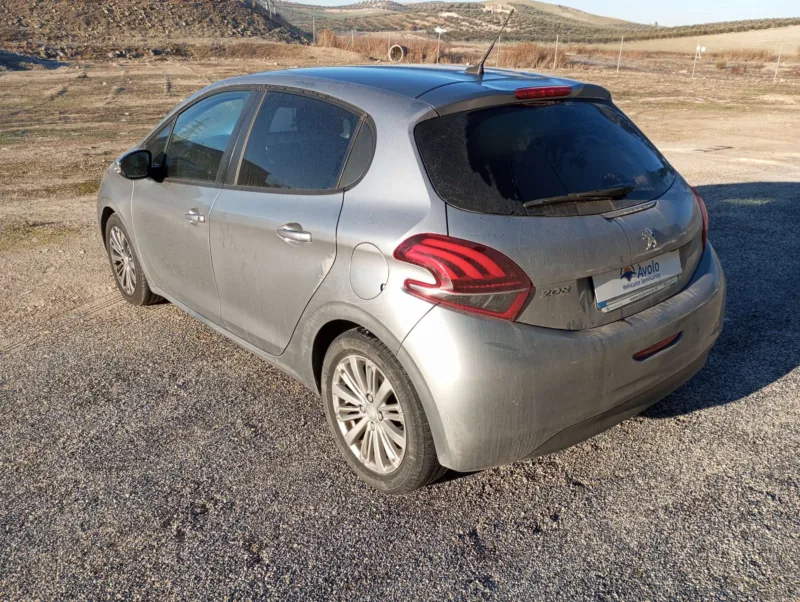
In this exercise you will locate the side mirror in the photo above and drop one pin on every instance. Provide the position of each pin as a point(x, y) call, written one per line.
point(136, 164)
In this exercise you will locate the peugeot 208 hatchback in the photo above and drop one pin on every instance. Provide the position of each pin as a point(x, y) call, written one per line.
point(470, 269)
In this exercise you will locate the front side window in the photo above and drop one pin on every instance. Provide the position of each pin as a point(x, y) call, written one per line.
point(201, 136)
point(157, 145)
point(297, 143)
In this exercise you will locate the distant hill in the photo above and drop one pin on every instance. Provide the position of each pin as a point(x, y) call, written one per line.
point(533, 20)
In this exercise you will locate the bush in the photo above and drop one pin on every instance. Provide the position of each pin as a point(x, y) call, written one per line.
point(721, 65)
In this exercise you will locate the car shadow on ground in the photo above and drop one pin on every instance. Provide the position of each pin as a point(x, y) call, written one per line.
point(753, 228)
point(21, 62)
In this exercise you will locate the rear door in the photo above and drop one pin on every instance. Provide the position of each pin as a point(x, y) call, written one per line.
point(273, 228)
point(505, 170)
point(170, 216)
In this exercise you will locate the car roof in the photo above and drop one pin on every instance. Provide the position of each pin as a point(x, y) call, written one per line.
point(440, 86)
point(412, 80)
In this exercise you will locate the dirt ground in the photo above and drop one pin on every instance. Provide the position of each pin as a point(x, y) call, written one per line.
point(143, 455)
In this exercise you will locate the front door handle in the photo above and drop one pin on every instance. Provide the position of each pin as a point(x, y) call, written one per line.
point(293, 232)
point(194, 217)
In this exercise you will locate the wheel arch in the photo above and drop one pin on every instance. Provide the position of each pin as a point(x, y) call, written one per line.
point(105, 215)
point(331, 320)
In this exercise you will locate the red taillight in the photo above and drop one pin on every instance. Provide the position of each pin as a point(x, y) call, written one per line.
point(660, 346)
point(704, 212)
point(548, 92)
point(468, 276)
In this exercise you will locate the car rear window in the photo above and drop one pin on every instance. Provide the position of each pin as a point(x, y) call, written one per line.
point(496, 159)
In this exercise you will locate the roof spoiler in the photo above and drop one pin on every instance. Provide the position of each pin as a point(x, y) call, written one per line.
point(466, 96)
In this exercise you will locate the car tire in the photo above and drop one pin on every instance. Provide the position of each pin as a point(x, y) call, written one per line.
point(400, 412)
point(125, 265)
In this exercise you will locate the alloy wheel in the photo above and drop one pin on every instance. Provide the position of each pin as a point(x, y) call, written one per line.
point(369, 414)
point(122, 260)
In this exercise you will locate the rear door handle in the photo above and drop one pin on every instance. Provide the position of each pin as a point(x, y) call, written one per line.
point(194, 217)
point(293, 232)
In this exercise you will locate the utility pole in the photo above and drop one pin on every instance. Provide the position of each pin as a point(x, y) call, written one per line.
point(440, 30)
point(555, 54)
point(620, 53)
point(497, 62)
point(698, 54)
point(778, 64)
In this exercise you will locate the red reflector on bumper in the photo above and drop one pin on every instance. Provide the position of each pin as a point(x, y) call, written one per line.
point(653, 349)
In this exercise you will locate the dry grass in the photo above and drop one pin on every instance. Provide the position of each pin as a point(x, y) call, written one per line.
point(593, 51)
point(27, 234)
point(746, 55)
point(416, 50)
point(524, 55)
point(527, 55)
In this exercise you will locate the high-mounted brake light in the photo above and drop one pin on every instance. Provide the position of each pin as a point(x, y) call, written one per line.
point(468, 276)
point(548, 92)
point(703, 212)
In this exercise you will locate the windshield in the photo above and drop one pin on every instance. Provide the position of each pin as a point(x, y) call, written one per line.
point(497, 159)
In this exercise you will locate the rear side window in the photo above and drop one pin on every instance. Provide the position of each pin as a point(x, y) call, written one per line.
point(297, 143)
point(494, 160)
point(201, 136)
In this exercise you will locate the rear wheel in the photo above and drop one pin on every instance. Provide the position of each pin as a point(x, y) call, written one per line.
point(128, 273)
point(375, 415)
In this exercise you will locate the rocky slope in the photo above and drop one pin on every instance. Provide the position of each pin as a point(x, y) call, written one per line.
point(64, 27)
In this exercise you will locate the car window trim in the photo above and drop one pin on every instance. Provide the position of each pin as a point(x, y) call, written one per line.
point(238, 154)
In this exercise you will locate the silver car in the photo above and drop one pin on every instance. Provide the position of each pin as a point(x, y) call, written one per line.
point(470, 269)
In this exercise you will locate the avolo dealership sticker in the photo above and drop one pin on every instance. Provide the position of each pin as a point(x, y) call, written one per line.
point(632, 282)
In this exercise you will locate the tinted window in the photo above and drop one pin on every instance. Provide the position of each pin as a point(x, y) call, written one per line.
point(201, 136)
point(158, 144)
point(297, 143)
point(494, 160)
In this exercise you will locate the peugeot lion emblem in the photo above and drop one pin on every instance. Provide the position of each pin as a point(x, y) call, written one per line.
point(649, 238)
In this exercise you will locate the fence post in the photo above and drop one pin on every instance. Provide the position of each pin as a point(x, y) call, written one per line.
point(314, 30)
point(620, 53)
point(555, 54)
point(696, 53)
point(497, 62)
point(778, 64)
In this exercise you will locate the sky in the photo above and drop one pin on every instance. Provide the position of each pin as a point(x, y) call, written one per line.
point(671, 12)
point(685, 12)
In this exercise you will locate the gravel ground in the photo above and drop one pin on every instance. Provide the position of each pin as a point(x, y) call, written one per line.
point(144, 456)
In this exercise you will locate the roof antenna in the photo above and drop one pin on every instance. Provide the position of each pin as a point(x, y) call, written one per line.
point(478, 69)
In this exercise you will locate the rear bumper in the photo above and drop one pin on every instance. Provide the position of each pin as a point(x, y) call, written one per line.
point(496, 392)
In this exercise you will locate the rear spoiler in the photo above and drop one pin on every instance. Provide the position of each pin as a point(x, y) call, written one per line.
point(468, 96)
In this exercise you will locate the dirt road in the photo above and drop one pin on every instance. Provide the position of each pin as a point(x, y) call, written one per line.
point(145, 456)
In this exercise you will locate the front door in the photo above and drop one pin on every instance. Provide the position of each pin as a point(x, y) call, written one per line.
point(171, 217)
point(273, 234)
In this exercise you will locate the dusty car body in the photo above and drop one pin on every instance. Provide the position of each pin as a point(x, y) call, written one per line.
point(506, 318)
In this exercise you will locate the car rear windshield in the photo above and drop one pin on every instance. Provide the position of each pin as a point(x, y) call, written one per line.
point(494, 160)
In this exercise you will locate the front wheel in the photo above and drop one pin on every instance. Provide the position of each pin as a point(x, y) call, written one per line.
point(128, 272)
point(375, 415)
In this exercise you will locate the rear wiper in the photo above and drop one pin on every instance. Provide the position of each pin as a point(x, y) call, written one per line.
point(601, 194)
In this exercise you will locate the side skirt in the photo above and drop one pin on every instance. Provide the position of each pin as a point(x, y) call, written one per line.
point(272, 359)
